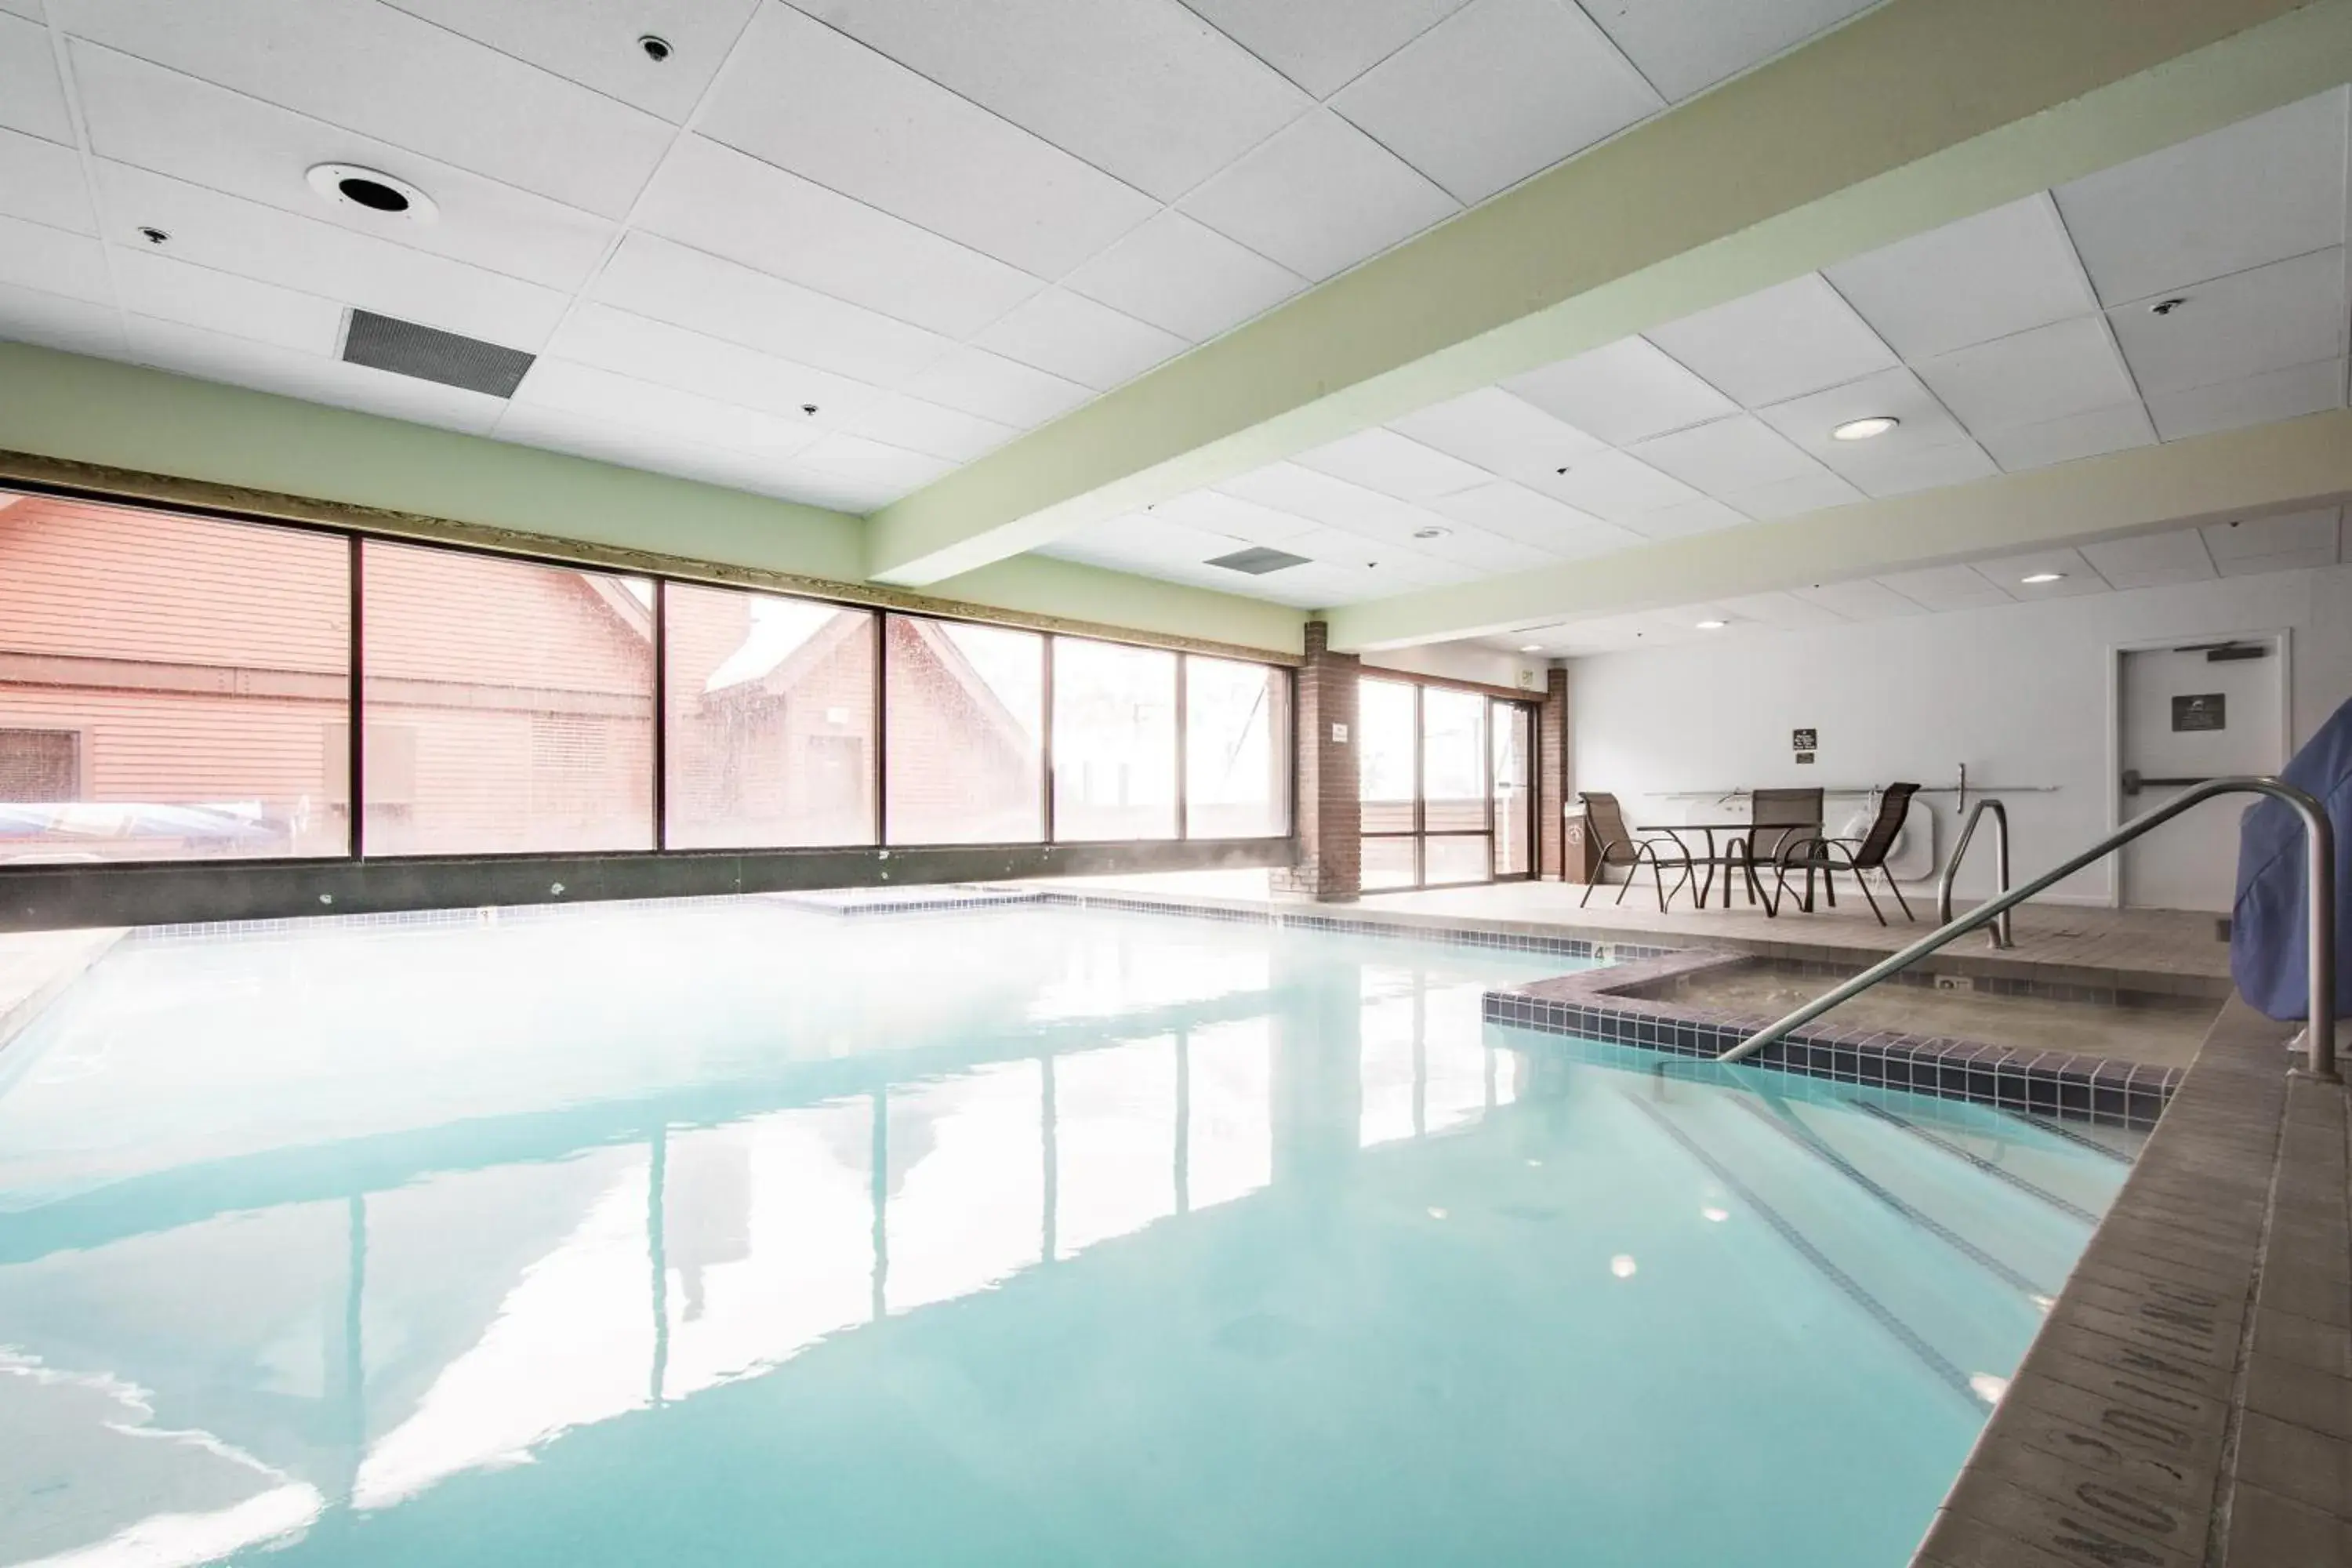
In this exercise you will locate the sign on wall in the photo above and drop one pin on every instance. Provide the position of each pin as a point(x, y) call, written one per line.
point(1805, 743)
point(2203, 710)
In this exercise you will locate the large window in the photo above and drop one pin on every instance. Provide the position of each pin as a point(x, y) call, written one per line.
point(509, 705)
point(1442, 784)
point(771, 714)
point(1237, 749)
point(177, 686)
point(1114, 740)
point(966, 738)
point(171, 688)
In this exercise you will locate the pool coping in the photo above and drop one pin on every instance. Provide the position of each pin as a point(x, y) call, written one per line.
point(1601, 1004)
point(2187, 1402)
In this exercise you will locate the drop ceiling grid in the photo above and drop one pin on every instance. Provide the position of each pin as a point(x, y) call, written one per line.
point(1669, 456)
point(647, 125)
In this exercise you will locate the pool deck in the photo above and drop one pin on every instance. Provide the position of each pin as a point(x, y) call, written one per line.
point(2187, 1401)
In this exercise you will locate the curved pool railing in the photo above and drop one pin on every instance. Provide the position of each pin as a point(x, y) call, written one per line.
point(2002, 935)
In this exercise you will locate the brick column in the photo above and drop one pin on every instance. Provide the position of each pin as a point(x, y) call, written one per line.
point(1551, 773)
point(1331, 813)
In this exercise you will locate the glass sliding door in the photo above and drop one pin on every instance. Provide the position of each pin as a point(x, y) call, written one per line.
point(1445, 779)
point(1453, 787)
point(1388, 781)
point(1513, 788)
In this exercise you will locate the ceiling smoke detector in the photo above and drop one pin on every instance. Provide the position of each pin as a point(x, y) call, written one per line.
point(155, 235)
point(373, 190)
point(2165, 307)
point(1863, 429)
point(1430, 532)
point(656, 47)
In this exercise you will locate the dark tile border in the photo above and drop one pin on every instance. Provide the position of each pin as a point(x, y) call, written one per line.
point(1605, 1005)
point(2187, 1402)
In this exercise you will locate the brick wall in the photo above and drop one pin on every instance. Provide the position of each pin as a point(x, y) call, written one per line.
point(1330, 812)
point(1551, 773)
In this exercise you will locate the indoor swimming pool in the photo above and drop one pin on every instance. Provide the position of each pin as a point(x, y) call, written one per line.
point(741, 1232)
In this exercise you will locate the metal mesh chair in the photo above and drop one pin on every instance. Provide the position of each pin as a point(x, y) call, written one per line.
point(1618, 847)
point(1778, 819)
point(1859, 855)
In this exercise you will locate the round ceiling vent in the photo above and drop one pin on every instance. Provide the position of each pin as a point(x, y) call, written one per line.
point(347, 184)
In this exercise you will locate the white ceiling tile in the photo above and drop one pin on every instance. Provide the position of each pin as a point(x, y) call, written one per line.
point(578, 434)
point(1499, 432)
point(1077, 339)
point(153, 284)
point(1496, 91)
point(660, 410)
point(1184, 278)
point(1319, 196)
point(28, 9)
point(30, 99)
point(1618, 488)
point(1894, 394)
point(1489, 553)
point(910, 422)
point(230, 235)
point(34, 255)
point(1685, 46)
point(997, 388)
point(819, 487)
point(1780, 342)
point(2031, 377)
point(1704, 515)
point(1142, 89)
point(654, 277)
point(732, 204)
point(1515, 512)
point(819, 103)
point(1232, 518)
point(672, 356)
point(2077, 435)
point(1381, 460)
point(386, 74)
point(1969, 283)
point(205, 135)
point(2074, 576)
point(1896, 470)
point(41, 182)
point(874, 463)
point(1740, 453)
point(594, 42)
point(2152, 560)
point(2287, 313)
point(2282, 535)
point(53, 320)
point(2191, 212)
point(1946, 588)
point(2257, 400)
point(1793, 497)
point(265, 367)
point(1785, 611)
point(1323, 44)
point(1623, 392)
point(1860, 600)
point(1333, 503)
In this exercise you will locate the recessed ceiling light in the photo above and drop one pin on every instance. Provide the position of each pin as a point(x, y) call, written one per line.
point(2037, 578)
point(1430, 532)
point(1863, 429)
point(656, 47)
point(372, 190)
point(1713, 625)
point(1531, 648)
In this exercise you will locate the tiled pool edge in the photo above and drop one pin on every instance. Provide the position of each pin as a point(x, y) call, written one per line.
point(2187, 1402)
point(1599, 1004)
point(36, 968)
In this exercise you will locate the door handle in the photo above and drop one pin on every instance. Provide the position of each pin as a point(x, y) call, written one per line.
point(2134, 781)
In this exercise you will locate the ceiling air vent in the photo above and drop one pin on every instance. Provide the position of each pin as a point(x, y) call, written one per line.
point(1258, 559)
point(429, 354)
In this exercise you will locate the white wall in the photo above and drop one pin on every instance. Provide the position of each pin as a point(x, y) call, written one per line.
point(2021, 694)
point(1463, 661)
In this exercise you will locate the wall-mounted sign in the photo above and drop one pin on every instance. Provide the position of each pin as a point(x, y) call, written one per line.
point(1805, 740)
point(1339, 735)
point(1804, 758)
point(2205, 710)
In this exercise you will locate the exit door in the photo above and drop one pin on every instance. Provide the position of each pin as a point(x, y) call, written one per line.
point(2187, 715)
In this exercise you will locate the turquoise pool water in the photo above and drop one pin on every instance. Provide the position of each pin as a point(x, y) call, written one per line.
point(735, 1233)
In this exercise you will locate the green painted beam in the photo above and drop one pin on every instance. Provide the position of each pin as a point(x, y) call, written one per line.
point(1916, 114)
point(2294, 465)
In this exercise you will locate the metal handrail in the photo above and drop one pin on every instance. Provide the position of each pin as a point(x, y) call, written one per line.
point(2319, 849)
point(2003, 934)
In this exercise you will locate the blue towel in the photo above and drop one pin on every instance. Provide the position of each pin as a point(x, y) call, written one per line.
point(2268, 933)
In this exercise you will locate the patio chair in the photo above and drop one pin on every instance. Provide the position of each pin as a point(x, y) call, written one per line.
point(1778, 819)
point(1859, 855)
point(1616, 846)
